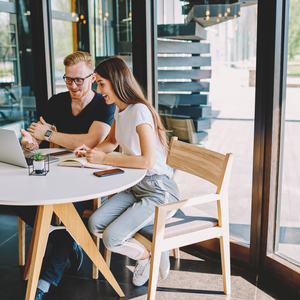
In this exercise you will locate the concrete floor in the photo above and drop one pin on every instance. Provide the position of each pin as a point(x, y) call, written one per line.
point(194, 276)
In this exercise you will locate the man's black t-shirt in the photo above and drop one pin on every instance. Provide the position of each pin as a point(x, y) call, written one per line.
point(58, 112)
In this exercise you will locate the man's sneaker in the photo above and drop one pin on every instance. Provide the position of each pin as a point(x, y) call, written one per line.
point(164, 266)
point(39, 295)
point(76, 257)
point(141, 272)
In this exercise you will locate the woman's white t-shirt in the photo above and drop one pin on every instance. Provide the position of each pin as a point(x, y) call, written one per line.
point(126, 134)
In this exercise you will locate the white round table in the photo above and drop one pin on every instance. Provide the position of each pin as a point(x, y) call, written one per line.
point(54, 193)
point(61, 184)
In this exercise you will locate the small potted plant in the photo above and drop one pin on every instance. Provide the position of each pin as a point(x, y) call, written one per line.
point(38, 162)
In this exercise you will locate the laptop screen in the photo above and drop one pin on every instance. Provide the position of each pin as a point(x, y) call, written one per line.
point(11, 151)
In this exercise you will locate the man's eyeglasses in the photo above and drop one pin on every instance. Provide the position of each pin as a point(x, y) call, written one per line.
point(78, 81)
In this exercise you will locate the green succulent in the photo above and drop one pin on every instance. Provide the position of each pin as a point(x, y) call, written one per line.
point(38, 155)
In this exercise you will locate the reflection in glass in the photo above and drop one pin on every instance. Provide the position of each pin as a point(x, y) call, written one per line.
point(124, 21)
point(61, 5)
point(104, 39)
point(7, 48)
point(206, 72)
point(63, 46)
point(17, 101)
point(288, 218)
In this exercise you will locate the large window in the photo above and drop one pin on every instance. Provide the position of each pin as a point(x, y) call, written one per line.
point(64, 33)
point(112, 29)
point(287, 242)
point(105, 28)
point(17, 99)
point(206, 72)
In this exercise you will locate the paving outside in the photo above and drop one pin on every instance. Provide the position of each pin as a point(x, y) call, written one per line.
point(232, 130)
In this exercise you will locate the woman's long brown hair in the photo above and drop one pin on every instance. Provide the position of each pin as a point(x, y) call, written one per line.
point(129, 91)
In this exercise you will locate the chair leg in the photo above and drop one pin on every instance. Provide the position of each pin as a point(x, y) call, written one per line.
point(96, 205)
point(95, 269)
point(58, 222)
point(107, 256)
point(21, 228)
point(176, 253)
point(225, 260)
point(153, 276)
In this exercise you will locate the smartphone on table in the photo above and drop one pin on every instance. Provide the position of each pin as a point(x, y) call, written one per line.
point(61, 152)
point(108, 172)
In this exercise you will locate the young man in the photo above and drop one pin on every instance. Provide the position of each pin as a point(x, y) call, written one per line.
point(80, 116)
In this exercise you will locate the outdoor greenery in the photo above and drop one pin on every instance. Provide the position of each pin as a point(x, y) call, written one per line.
point(63, 41)
point(62, 34)
point(61, 5)
point(6, 72)
point(293, 70)
point(294, 29)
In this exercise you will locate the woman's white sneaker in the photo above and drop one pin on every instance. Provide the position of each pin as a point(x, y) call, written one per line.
point(141, 272)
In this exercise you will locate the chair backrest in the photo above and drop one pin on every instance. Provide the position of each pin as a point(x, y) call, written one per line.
point(207, 164)
point(184, 129)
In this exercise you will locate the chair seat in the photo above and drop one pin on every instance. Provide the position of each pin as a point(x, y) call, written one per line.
point(186, 220)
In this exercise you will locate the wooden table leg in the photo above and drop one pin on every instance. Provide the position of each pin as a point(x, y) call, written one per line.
point(29, 255)
point(39, 240)
point(70, 218)
point(21, 228)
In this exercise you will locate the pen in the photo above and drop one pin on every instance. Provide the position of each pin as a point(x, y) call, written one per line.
point(81, 151)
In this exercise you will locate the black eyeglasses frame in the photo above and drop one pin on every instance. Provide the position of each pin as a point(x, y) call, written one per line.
point(75, 79)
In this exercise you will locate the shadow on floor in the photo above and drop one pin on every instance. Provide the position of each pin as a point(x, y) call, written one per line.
point(192, 277)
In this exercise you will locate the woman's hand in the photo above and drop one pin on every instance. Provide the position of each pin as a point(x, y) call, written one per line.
point(81, 150)
point(95, 156)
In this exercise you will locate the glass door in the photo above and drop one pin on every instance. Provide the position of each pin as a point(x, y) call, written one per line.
point(206, 73)
point(64, 36)
point(17, 99)
point(112, 30)
point(287, 242)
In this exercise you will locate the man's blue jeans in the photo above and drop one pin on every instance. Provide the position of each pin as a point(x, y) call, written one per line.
point(61, 241)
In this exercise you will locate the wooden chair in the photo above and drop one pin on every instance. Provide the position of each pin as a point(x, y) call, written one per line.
point(190, 225)
point(184, 129)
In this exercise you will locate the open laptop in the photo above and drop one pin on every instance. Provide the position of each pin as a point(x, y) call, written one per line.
point(11, 151)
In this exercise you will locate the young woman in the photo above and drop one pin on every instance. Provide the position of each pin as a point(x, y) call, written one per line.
point(138, 130)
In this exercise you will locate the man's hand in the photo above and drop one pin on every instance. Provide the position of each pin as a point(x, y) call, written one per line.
point(38, 130)
point(27, 141)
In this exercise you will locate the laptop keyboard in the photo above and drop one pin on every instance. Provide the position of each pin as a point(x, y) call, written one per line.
point(29, 161)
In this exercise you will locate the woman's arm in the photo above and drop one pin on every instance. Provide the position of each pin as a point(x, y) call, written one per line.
point(110, 143)
point(144, 161)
